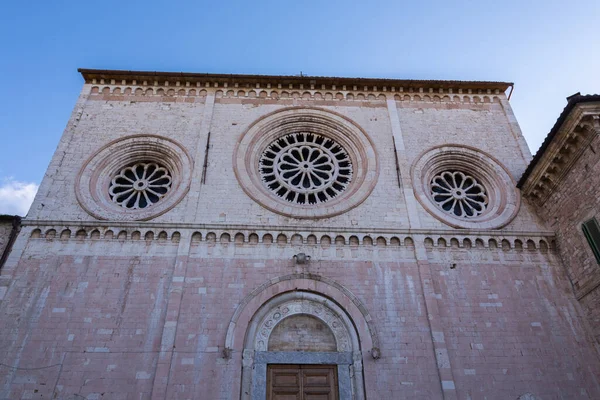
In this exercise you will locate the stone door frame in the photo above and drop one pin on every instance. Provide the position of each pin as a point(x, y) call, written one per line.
point(256, 356)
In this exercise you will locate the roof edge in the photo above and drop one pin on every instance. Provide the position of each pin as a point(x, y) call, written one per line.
point(572, 101)
point(90, 74)
point(9, 218)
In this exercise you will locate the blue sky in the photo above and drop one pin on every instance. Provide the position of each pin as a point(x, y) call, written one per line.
point(550, 49)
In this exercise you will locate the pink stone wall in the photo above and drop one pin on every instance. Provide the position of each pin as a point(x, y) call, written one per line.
point(512, 327)
point(92, 323)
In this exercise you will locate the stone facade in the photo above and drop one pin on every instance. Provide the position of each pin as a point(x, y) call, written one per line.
point(564, 184)
point(179, 300)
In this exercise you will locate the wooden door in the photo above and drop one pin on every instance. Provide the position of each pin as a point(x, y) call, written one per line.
point(302, 382)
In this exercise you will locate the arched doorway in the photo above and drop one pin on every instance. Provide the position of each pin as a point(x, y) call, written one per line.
point(308, 341)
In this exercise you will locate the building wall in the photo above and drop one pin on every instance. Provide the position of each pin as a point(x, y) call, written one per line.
point(6, 226)
point(574, 201)
point(6, 230)
point(142, 309)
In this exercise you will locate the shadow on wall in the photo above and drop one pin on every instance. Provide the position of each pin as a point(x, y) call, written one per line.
point(10, 225)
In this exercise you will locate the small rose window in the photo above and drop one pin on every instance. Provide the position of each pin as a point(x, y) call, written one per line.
point(465, 187)
point(459, 194)
point(140, 185)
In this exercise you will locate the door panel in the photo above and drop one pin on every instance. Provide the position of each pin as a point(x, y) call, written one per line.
point(283, 383)
point(286, 378)
point(302, 382)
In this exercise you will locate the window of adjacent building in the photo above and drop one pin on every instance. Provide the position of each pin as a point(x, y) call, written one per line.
point(591, 230)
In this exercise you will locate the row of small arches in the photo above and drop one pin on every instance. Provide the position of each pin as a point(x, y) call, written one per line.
point(82, 234)
point(296, 239)
point(274, 94)
point(222, 237)
point(148, 91)
point(505, 244)
point(447, 98)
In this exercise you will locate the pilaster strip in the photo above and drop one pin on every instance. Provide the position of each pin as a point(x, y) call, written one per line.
point(162, 372)
point(436, 329)
point(200, 155)
point(404, 167)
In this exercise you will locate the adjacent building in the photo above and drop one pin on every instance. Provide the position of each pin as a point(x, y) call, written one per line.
point(563, 184)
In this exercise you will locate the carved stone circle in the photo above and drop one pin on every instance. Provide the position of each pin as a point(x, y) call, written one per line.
point(465, 187)
point(306, 168)
point(306, 162)
point(140, 185)
point(134, 178)
point(459, 194)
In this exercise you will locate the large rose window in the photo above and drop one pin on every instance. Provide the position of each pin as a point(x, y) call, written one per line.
point(305, 162)
point(305, 168)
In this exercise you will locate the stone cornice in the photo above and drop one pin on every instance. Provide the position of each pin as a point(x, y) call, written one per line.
point(282, 228)
point(294, 235)
point(185, 79)
point(575, 129)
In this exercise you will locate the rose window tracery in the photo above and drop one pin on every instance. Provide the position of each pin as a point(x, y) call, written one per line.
point(140, 185)
point(305, 168)
point(459, 194)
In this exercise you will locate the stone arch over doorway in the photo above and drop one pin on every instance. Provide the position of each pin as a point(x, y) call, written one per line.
point(312, 297)
point(354, 307)
point(259, 350)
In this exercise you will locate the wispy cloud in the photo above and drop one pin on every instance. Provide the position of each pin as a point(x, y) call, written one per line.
point(15, 196)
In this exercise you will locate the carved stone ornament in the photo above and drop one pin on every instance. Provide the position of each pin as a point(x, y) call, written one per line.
point(306, 168)
point(459, 194)
point(308, 307)
point(572, 138)
point(140, 185)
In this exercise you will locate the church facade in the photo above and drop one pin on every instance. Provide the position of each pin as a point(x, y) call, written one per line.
point(205, 236)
